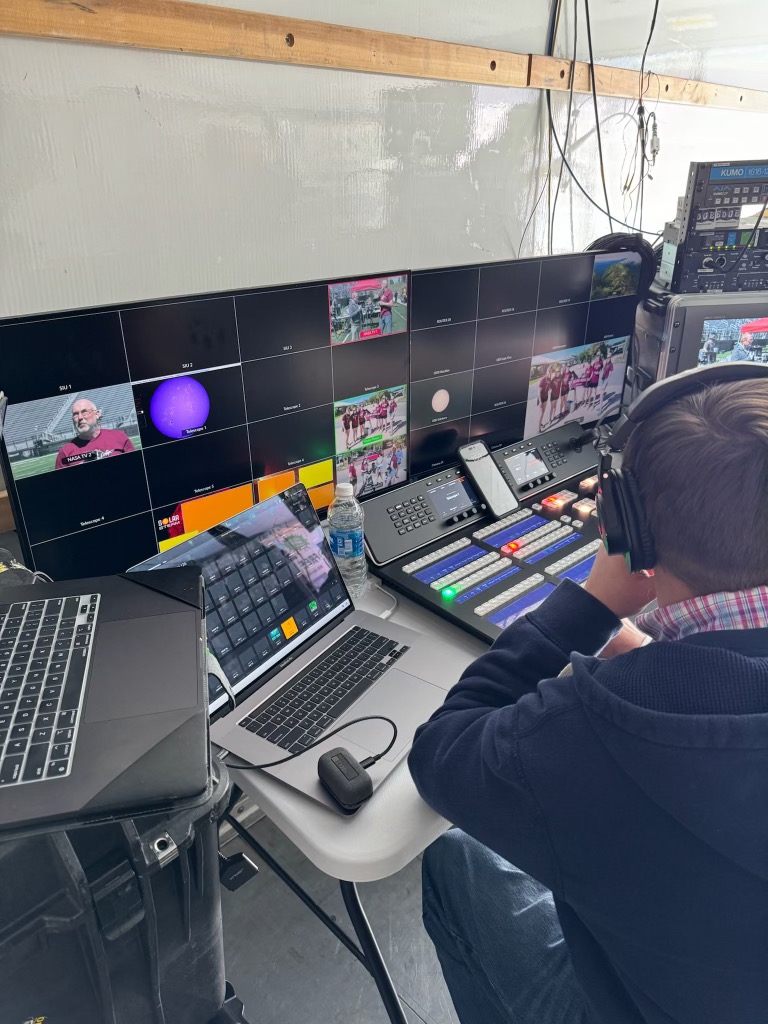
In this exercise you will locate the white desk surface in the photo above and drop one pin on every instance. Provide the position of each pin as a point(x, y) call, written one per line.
point(395, 825)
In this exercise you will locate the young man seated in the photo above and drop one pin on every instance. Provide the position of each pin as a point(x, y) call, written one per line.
point(610, 860)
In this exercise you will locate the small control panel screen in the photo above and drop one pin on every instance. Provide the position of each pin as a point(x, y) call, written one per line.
point(451, 498)
point(526, 466)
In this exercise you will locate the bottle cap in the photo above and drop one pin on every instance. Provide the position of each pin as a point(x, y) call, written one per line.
point(344, 490)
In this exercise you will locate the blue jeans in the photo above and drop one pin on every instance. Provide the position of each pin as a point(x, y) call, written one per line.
point(497, 937)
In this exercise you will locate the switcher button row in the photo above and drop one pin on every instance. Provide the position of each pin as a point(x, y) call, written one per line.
point(482, 574)
point(509, 595)
point(577, 556)
point(457, 574)
point(501, 524)
point(435, 556)
point(552, 537)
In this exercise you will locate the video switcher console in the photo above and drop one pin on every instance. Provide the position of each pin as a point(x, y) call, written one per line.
point(434, 541)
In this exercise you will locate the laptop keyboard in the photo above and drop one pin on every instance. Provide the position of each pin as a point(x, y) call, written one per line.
point(45, 649)
point(310, 705)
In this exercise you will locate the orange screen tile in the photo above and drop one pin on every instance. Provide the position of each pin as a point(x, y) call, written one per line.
point(274, 484)
point(321, 497)
point(203, 513)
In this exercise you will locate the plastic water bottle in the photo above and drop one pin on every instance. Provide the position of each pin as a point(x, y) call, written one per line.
point(345, 521)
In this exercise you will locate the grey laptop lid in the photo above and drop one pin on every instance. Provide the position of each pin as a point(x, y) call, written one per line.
point(272, 586)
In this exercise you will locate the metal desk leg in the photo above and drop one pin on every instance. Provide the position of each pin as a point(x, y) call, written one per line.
point(373, 957)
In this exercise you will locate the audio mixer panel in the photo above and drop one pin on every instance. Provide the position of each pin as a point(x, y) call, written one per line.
point(480, 572)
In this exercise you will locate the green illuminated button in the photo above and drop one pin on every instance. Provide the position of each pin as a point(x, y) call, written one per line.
point(448, 593)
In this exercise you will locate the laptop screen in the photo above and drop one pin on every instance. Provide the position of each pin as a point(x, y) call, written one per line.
point(270, 583)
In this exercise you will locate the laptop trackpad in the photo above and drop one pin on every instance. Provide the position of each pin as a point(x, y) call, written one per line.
point(406, 699)
point(143, 666)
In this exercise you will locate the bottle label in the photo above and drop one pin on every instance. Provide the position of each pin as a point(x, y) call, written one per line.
point(347, 543)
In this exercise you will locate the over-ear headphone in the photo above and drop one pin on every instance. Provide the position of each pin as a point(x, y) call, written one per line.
point(621, 514)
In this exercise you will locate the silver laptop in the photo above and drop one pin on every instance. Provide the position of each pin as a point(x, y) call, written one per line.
point(298, 657)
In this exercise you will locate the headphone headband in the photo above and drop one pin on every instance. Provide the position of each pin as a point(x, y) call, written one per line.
point(686, 383)
point(624, 526)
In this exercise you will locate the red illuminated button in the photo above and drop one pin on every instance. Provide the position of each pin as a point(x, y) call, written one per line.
point(509, 549)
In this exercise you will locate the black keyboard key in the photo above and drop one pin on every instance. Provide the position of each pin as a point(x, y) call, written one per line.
point(266, 730)
point(314, 731)
point(81, 630)
point(349, 698)
point(221, 645)
point(19, 732)
point(37, 665)
point(237, 634)
point(62, 645)
point(52, 693)
point(57, 768)
point(235, 584)
point(5, 722)
point(278, 735)
point(67, 718)
point(70, 607)
point(17, 746)
point(44, 720)
point(280, 605)
point(73, 686)
point(24, 716)
point(63, 735)
point(25, 703)
point(36, 758)
point(48, 706)
point(32, 689)
point(11, 769)
point(82, 641)
point(60, 751)
point(54, 679)
point(243, 603)
point(325, 721)
point(59, 658)
point(271, 586)
point(17, 671)
point(228, 613)
point(42, 735)
point(50, 620)
point(28, 634)
point(252, 624)
point(7, 708)
point(219, 593)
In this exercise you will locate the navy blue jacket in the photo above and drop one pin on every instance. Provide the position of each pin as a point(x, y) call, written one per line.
point(636, 790)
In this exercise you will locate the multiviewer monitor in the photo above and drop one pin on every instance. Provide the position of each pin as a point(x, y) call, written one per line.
point(505, 351)
point(133, 427)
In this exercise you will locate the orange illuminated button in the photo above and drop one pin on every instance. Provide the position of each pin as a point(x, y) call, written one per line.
point(588, 485)
point(289, 627)
point(583, 508)
point(558, 503)
point(509, 549)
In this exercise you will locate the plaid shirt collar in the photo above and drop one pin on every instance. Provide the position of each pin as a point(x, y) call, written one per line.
point(743, 609)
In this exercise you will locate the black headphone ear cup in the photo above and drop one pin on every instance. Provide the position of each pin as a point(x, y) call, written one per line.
point(642, 549)
point(610, 511)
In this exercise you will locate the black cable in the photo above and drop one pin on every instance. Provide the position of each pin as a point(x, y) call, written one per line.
point(355, 721)
point(641, 114)
point(577, 183)
point(597, 115)
point(570, 111)
point(750, 240)
point(551, 32)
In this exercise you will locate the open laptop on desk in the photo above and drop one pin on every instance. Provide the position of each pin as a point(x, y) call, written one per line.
point(300, 659)
point(102, 699)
